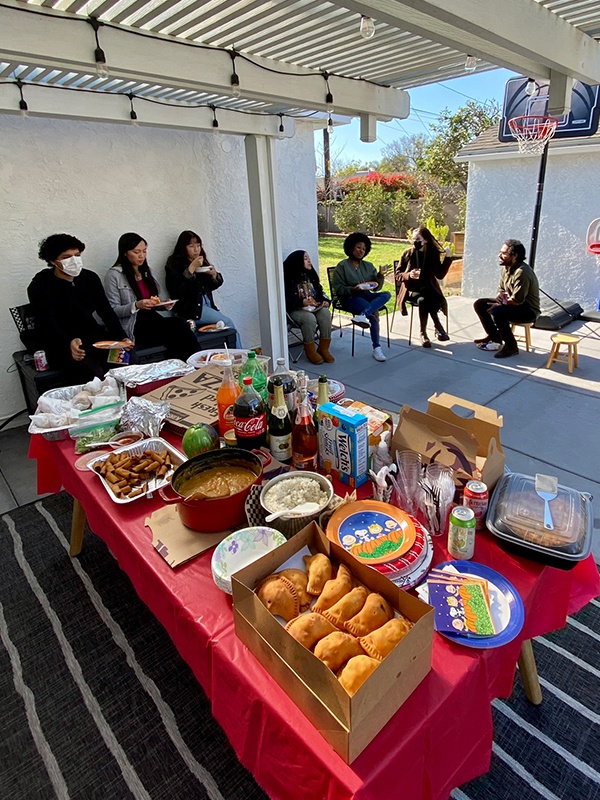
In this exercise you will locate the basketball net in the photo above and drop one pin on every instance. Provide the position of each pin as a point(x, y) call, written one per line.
point(532, 132)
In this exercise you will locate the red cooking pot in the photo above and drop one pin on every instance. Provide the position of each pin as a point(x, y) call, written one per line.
point(212, 514)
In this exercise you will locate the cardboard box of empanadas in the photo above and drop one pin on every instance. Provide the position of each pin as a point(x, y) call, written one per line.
point(347, 708)
point(455, 432)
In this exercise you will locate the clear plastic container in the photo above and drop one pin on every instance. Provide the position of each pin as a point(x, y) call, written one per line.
point(516, 517)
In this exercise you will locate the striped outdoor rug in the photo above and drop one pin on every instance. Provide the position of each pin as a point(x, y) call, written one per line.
point(96, 702)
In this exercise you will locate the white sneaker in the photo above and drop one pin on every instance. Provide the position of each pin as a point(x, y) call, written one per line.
point(361, 320)
point(378, 354)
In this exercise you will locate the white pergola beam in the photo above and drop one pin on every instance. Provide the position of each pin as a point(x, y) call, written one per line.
point(67, 43)
point(44, 101)
point(520, 35)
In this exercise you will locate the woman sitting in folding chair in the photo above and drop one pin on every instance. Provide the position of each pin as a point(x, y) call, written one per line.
point(307, 305)
point(418, 274)
point(356, 282)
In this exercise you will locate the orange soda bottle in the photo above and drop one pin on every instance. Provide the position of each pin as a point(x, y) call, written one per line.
point(228, 391)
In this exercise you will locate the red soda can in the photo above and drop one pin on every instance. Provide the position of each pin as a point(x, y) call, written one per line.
point(40, 361)
point(476, 496)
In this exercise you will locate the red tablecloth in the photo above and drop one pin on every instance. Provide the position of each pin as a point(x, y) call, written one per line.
point(439, 739)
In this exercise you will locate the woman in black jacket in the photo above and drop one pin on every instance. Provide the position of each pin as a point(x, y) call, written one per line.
point(192, 279)
point(417, 276)
point(307, 305)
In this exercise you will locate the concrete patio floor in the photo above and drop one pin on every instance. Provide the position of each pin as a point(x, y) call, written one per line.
point(551, 417)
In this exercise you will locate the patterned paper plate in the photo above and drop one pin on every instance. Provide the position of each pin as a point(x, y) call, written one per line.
point(372, 531)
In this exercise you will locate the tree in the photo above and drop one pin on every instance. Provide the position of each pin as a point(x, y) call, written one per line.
point(452, 131)
point(402, 154)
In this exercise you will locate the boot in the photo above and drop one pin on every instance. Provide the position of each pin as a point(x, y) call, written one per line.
point(439, 328)
point(311, 353)
point(323, 350)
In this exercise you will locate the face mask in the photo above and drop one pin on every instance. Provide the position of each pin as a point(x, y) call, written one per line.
point(72, 266)
point(417, 245)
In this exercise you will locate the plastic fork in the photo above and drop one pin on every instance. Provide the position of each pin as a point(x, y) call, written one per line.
point(546, 487)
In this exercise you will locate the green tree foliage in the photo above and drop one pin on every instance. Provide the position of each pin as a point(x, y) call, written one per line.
point(373, 201)
point(451, 132)
point(403, 154)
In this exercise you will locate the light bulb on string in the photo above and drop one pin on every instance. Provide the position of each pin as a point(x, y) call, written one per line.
point(99, 55)
point(281, 134)
point(329, 95)
point(215, 122)
point(470, 63)
point(329, 125)
point(235, 78)
point(367, 27)
point(132, 115)
point(23, 107)
point(530, 87)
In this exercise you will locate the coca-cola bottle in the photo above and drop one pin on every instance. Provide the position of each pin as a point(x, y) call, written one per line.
point(249, 417)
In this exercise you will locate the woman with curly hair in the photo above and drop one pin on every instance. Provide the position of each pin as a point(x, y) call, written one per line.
point(307, 305)
point(356, 282)
point(417, 275)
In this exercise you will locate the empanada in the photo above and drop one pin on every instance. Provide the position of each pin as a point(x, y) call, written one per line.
point(299, 578)
point(336, 648)
point(347, 607)
point(375, 613)
point(335, 589)
point(309, 628)
point(279, 595)
point(382, 641)
point(319, 571)
point(356, 672)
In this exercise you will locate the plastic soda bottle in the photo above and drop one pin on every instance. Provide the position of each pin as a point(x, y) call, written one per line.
point(253, 368)
point(249, 417)
point(228, 391)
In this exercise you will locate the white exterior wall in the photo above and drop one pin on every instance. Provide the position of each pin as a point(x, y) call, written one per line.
point(99, 180)
point(500, 205)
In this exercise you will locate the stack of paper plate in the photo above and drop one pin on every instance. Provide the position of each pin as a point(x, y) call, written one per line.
point(384, 537)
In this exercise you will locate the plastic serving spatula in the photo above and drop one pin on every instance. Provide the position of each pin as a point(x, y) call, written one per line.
point(547, 488)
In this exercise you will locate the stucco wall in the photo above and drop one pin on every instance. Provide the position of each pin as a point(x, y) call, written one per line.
point(500, 205)
point(98, 180)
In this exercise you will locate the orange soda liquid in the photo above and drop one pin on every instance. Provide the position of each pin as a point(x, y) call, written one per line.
point(225, 399)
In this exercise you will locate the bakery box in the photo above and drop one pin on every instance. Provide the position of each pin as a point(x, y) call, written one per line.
point(349, 724)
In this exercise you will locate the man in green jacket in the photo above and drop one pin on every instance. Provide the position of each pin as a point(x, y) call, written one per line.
point(517, 300)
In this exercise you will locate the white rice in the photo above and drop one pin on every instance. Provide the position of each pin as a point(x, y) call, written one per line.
point(288, 494)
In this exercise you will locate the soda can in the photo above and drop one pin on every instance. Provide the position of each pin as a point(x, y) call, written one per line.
point(476, 496)
point(461, 533)
point(40, 361)
point(504, 298)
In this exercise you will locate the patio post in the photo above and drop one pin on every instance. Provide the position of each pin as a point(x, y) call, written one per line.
point(262, 172)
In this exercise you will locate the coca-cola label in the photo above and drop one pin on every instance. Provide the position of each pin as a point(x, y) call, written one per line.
point(247, 427)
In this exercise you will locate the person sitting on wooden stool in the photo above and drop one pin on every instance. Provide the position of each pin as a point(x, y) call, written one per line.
point(517, 300)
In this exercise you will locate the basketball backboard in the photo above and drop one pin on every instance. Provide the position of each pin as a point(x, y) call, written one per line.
point(582, 120)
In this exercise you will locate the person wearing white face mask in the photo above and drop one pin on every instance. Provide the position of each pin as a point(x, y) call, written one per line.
point(65, 299)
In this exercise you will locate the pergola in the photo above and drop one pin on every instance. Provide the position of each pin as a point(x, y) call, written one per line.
point(254, 66)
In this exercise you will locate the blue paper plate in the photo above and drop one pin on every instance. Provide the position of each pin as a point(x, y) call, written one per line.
point(508, 605)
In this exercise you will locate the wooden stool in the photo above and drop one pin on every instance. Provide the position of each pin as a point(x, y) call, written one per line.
point(526, 337)
point(571, 356)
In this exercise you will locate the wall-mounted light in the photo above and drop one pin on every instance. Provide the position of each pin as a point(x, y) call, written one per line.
point(530, 87)
point(367, 27)
point(470, 63)
point(99, 54)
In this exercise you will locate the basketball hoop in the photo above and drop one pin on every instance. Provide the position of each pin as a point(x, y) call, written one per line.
point(532, 132)
point(594, 248)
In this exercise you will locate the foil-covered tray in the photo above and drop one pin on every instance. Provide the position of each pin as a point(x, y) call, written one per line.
point(138, 374)
point(137, 448)
point(67, 393)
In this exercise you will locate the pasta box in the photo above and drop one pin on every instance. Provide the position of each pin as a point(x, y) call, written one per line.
point(348, 723)
point(343, 443)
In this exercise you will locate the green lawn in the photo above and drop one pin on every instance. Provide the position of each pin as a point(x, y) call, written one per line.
point(331, 251)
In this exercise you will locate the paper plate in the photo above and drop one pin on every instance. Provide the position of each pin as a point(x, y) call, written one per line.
point(111, 345)
point(165, 305)
point(408, 580)
point(372, 531)
point(505, 604)
point(213, 327)
point(411, 559)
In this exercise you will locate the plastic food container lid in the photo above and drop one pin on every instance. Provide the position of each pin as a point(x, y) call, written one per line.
point(516, 514)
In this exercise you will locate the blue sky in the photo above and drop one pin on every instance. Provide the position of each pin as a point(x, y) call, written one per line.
point(426, 103)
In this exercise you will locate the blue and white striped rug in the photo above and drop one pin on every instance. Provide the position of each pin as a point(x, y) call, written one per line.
point(95, 701)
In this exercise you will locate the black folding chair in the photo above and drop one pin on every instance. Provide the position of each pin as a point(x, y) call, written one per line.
point(295, 332)
point(408, 301)
point(337, 306)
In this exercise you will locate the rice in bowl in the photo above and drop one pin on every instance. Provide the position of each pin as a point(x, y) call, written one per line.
point(291, 492)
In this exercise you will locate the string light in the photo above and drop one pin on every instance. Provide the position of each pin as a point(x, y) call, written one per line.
point(215, 122)
point(99, 55)
point(470, 63)
point(329, 95)
point(530, 87)
point(235, 78)
point(329, 125)
point(132, 115)
point(281, 128)
point(367, 27)
point(23, 107)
